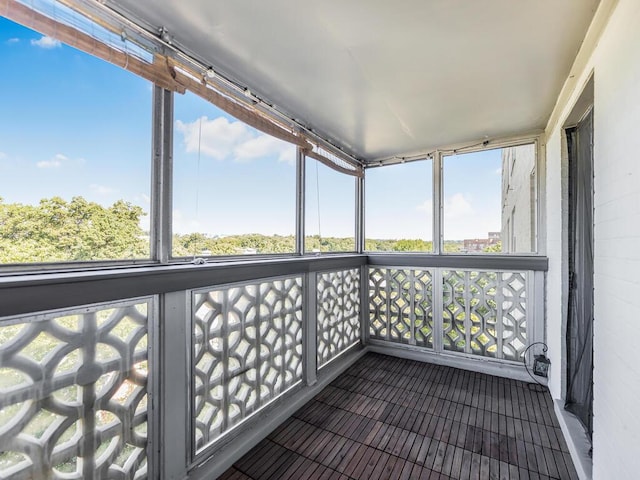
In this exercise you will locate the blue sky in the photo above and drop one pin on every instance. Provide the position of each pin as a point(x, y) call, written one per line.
point(74, 125)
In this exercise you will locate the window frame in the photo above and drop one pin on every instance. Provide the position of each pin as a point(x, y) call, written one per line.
point(166, 229)
point(358, 213)
point(434, 241)
point(520, 141)
point(7, 269)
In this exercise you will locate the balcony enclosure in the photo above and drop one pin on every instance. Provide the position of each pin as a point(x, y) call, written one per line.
point(255, 241)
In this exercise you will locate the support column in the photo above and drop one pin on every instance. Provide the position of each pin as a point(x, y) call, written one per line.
point(360, 243)
point(300, 200)
point(310, 329)
point(175, 385)
point(161, 175)
point(438, 241)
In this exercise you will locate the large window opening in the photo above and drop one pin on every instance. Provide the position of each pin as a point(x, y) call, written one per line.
point(75, 143)
point(489, 201)
point(330, 208)
point(234, 190)
point(399, 208)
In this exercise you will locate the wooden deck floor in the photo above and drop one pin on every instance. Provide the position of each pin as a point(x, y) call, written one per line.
point(387, 418)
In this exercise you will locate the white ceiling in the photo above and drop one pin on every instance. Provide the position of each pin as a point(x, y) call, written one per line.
point(383, 77)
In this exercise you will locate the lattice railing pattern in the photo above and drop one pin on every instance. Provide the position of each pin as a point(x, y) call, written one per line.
point(73, 393)
point(400, 306)
point(338, 316)
point(484, 313)
point(515, 336)
point(247, 350)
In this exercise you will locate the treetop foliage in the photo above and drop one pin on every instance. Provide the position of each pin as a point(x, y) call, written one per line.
point(56, 230)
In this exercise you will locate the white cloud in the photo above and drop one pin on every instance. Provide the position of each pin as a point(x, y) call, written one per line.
point(218, 139)
point(46, 42)
point(468, 217)
point(143, 198)
point(426, 206)
point(265, 146)
point(13, 41)
point(222, 139)
point(102, 189)
point(458, 206)
point(55, 162)
point(499, 171)
point(59, 160)
point(3, 156)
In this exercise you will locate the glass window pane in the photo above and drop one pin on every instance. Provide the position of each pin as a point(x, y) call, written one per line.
point(234, 187)
point(490, 201)
point(399, 207)
point(329, 209)
point(75, 150)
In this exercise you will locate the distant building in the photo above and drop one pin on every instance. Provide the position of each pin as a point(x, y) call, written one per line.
point(519, 199)
point(477, 245)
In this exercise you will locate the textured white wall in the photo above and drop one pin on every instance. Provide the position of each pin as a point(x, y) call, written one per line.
point(615, 63)
point(516, 192)
point(555, 299)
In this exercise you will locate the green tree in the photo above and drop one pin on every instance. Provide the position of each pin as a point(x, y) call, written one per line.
point(495, 248)
point(411, 245)
point(56, 231)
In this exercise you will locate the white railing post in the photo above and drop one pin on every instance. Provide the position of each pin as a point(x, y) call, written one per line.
point(174, 375)
point(310, 329)
point(437, 307)
point(536, 331)
point(364, 304)
point(162, 175)
point(499, 315)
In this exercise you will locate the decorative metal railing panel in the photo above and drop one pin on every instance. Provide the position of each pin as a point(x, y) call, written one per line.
point(338, 315)
point(515, 335)
point(73, 393)
point(483, 313)
point(247, 350)
point(400, 306)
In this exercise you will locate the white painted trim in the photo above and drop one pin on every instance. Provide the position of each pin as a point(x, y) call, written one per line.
point(475, 364)
point(174, 383)
point(477, 145)
point(576, 81)
point(577, 441)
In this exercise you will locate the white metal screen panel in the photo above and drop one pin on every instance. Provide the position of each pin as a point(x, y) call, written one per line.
point(400, 306)
point(484, 313)
point(247, 350)
point(73, 393)
point(338, 315)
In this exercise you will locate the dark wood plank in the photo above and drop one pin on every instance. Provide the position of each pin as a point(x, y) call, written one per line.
point(355, 459)
point(448, 460)
point(432, 452)
point(407, 446)
point(400, 419)
point(440, 455)
point(465, 467)
point(234, 474)
point(456, 466)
